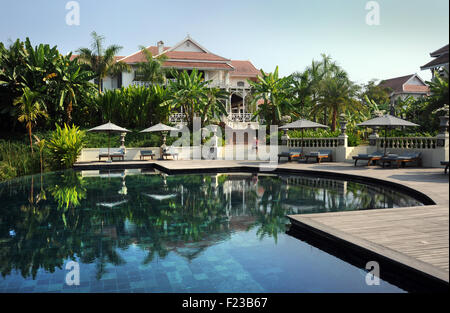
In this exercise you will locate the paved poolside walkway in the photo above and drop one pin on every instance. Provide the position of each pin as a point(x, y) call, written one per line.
point(416, 236)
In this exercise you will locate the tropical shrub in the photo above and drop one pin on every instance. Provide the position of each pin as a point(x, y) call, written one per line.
point(16, 160)
point(7, 171)
point(65, 145)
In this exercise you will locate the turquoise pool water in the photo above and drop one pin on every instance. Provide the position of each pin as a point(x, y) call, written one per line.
point(133, 231)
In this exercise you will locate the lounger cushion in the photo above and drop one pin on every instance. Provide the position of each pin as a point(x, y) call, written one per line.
point(362, 155)
point(325, 152)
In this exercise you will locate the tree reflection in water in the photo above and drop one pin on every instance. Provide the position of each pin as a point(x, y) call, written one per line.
point(92, 218)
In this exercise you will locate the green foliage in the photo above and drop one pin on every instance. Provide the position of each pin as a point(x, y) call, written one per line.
point(65, 145)
point(7, 171)
point(189, 93)
point(375, 92)
point(16, 160)
point(274, 93)
point(134, 107)
point(58, 82)
point(102, 61)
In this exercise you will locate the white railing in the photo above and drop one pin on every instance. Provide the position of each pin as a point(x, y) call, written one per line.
point(240, 117)
point(140, 83)
point(408, 142)
point(314, 142)
point(218, 84)
point(177, 118)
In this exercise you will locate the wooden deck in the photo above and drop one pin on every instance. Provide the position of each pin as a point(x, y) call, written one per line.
point(417, 237)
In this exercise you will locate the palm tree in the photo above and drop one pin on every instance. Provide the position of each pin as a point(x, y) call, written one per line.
point(337, 95)
point(214, 105)
point(274, 91)
point(188, 94)
point(31, 108)
point(151, 70)
point(102, 61)
point(72, 82)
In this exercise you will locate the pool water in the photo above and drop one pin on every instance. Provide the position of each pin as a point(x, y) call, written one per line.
point(145, 231)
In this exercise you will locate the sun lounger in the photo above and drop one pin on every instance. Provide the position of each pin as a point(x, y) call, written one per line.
point(370, 158)
point(146, 153)
point(120, 154)
point(168, 152)
point(446, 166)
point(402, 159)
point(116, 154)
point(319, 155)
point(291, 154)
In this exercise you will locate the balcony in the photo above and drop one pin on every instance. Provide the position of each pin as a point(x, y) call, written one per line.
point(240, 117)
point(140, 83)
point(177, 118)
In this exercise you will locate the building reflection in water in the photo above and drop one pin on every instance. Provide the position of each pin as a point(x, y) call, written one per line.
point(93, 215)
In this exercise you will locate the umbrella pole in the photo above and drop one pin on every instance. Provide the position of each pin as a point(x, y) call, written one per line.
point(302, 140)
point(109, 144)
point(385, 139)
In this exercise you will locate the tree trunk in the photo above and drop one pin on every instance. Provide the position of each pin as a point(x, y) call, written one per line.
point(333, 122)
point(31, 140)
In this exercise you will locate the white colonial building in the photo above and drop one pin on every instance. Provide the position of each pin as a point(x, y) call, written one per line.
point(231, 75)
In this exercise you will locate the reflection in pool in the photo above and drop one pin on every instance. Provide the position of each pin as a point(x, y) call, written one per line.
point(134, 231)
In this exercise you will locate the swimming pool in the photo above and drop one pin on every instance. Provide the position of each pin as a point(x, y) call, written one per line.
point(145, 231)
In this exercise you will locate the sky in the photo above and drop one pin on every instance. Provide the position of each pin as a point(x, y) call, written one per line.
point(287, 33)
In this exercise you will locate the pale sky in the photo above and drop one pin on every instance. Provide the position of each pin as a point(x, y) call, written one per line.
point(287, 33)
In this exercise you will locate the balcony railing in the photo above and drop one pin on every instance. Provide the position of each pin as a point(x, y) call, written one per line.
point(140, 83)
point(240, 117)
point(314, 142)
point(408, 142)
point(177, 118)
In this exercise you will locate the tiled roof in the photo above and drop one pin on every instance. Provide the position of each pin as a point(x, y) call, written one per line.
point(74, 56)
point(139, 56)
point(178, 55)
point(244, 69)
point(440, 51)
point(199, 65)
point(398, 85)
point(442, 59)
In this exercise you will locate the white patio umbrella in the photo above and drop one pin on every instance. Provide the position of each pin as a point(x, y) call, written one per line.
point(302, 124)
point(160, 128)
point(386, 121)
point(109, 128)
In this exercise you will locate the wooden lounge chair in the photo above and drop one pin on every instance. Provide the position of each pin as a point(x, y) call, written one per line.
point(103, 154)
point(319, 155)
point(446, 166)
point(370, 158)
point(112, 155)
point(168, 152)
point(291, 154)
point(146, 153)
point(402, 159)
point(120, 154)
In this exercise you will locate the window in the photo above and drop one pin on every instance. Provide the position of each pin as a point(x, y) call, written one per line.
point(138, 75)
point(240, 84)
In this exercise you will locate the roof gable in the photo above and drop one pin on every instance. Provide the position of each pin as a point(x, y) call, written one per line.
point(408, 83)
point(188, 45)
point(439, 51)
